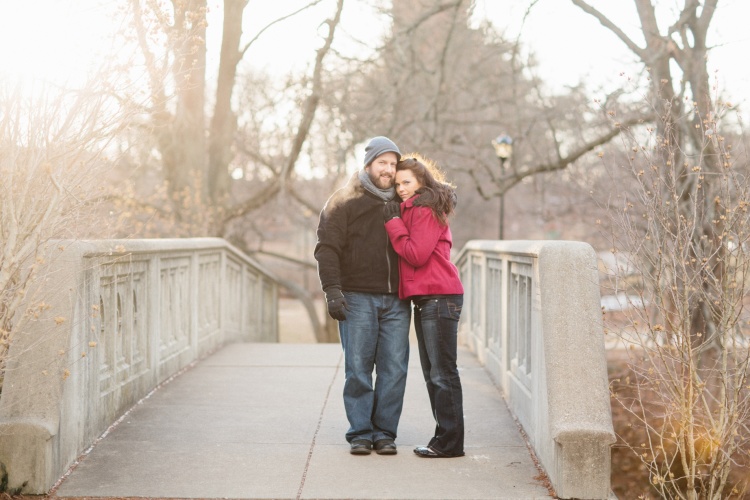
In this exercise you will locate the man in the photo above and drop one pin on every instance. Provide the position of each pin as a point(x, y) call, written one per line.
point(358, 272)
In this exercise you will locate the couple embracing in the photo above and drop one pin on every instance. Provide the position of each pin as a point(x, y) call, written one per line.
point(383, 248)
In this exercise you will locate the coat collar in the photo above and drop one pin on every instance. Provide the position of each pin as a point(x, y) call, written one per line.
point(410, 202)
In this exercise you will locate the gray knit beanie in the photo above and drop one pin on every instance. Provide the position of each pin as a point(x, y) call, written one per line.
point(378, 146)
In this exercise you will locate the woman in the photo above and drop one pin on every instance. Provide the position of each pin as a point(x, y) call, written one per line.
point(419, 232)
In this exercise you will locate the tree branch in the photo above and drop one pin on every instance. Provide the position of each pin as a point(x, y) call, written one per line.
point(436, 9)
point(272, 23)
point(508, 181)
point(250, 204)
point(688, 13)
point(709, 8)
point(505, 182)
point(604, 20)
point(311, 103)
point(295, 195)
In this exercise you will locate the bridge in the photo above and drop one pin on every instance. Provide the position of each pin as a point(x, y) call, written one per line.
point(153, 370)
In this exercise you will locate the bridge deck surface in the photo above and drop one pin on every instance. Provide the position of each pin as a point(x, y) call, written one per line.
point(267, 421)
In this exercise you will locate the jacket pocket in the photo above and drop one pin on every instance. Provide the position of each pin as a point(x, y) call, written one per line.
point(408, 274)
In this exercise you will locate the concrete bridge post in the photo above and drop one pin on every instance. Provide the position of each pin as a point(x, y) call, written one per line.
point(532, 315)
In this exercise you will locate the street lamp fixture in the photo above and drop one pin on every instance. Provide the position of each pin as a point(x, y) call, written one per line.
point(503, 145)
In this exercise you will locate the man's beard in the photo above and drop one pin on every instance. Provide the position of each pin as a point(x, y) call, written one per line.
point(382, 182)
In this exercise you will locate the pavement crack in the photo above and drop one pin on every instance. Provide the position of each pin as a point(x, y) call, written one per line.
point(317, 429)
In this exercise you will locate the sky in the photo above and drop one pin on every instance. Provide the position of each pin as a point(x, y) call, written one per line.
point(61, 39)
point(53, 40)
point(572, 46)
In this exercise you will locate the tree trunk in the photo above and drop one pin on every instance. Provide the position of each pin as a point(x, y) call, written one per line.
point(186, 175)
point(224, 121)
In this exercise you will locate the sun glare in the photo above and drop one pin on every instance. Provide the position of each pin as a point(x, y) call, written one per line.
point(51, 40)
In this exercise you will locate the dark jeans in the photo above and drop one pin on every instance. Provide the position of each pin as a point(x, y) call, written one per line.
point(375, 336)
point(436, 322)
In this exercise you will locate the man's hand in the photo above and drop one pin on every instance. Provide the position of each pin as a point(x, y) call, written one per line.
point(337, 306)
point(391, 210)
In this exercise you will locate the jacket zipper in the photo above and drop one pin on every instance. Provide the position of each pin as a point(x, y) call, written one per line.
point(388, 259)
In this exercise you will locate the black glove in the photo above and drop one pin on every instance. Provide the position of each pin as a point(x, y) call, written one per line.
point(391, 210)
point(337, 306)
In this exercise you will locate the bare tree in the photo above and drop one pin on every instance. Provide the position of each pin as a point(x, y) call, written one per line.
point(687, 391)
point(196, 159)
point(446, 89)
point(51, 143)
point(689, 92)
point(201, 197)
point(172, 43)
point(690, 245)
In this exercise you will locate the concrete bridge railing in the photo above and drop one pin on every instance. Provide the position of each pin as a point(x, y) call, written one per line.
point(532, 315)
point(118, 318)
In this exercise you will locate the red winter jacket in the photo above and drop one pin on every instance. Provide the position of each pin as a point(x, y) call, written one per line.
point(424, 248)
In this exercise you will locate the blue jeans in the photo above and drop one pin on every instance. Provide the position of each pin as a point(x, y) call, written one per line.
point(436, 322)
point(375, 336)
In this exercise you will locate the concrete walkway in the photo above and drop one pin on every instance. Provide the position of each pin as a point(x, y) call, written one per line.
point(267, 421)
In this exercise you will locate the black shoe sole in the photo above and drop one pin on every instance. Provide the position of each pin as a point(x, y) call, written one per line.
point(427, 452)
point(387, 451)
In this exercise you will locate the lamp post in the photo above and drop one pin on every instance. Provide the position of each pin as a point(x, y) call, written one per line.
point(503, 145)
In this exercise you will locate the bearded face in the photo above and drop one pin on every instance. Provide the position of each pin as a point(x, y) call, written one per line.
point(382, 170)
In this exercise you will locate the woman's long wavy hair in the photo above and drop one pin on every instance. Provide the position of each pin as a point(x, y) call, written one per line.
point(435, 193)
